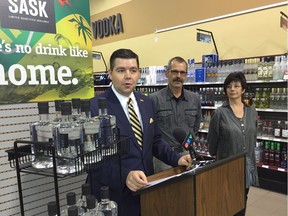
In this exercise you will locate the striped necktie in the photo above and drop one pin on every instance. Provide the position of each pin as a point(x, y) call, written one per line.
point(135, 123)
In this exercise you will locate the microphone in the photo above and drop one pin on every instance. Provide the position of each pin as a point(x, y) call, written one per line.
point(186, 141)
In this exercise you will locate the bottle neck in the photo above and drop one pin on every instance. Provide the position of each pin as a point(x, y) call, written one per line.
point(44, 117)
point(67, 118)
point(103, 111)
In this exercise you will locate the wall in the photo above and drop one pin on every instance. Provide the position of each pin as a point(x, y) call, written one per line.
point(251, 34)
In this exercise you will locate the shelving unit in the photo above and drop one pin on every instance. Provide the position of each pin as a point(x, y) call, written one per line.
point(21, 156)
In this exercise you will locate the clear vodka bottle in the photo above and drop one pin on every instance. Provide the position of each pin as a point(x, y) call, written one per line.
point(76, 109)
point(89, 134)
point(41, 131)
point(57, 118)
point(71, 202)
point(108, 129)
point(92, 207)
point(107, 206)
point(86, 191)
point(67, 142)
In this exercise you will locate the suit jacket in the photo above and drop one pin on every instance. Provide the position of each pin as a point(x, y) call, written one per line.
point(136, 158)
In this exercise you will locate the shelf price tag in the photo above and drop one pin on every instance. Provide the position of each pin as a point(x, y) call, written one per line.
point(281, 169)
point(265, 166)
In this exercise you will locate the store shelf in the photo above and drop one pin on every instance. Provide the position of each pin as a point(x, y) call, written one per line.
point(272, 110)
point(272, 139)
point(280, 169)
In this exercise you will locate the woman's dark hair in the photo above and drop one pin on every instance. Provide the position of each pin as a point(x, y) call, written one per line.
point(235, 77)
point(124, 54)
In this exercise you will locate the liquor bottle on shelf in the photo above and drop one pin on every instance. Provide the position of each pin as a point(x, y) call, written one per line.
point(277, 161)
point(283, 156)
point(89, 134)
point(52, 208)
point(276, 68)
point(284, 132)
point(67, 142)
point(259, 126)
point(283, 99)
point(258, 152)
point(57, 118)
point(272, 98)
point(270, 129)
point(41, 131)
point(107, 206)
point(272, 154)
point(108, 133)
point(76, 109)
point(277, 98)
point(266, 152)
point(278, 130)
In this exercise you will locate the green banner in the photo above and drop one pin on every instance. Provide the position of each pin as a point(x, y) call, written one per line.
point(45, 50)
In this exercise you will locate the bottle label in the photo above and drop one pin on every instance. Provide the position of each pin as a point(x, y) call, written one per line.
point(64, 141)
point(277, 132)
point(285, 133)
point(44, 133)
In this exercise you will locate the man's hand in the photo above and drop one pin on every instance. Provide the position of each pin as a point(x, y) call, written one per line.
point(186, 160)
point(135, 180)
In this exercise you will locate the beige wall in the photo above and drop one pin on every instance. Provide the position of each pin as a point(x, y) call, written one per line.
point(252, 34)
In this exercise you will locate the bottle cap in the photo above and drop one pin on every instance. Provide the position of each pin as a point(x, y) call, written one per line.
point(73, 211)
point(86, 190)
point(76, 103)
point(102, 103)
point(104, 192)
point(52, 208)
point(66, 108)
point(43, 107)
point(91, 202)
point(58, 104)
point(71, 198)
point(85, 105)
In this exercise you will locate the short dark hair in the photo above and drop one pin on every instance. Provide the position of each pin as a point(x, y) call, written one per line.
point(178, 59)
point(235, 77)
point(124, 54)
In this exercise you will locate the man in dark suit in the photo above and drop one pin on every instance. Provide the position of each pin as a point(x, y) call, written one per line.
point(137, 163)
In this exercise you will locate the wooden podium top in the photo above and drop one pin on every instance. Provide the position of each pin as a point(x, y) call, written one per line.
point(214, 189)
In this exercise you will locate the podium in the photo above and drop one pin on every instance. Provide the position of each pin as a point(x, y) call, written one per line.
point(211, 190)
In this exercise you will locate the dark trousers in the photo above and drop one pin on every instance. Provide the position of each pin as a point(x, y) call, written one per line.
point(243, 211)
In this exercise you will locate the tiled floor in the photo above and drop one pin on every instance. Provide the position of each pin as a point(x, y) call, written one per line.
point(266, 203)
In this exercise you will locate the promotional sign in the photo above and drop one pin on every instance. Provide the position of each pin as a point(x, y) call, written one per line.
point(45, 50)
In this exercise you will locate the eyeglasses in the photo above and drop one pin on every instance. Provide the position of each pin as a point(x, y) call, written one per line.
point(176, 72)
point(234, 86)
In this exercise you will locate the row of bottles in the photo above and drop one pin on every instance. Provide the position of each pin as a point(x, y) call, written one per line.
point(273, 153)
point(87, 205)
point(265, 68)
point(272, 128)
point(274, 98)
point(73, 132)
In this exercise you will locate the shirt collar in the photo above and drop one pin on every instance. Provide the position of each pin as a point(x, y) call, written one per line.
point(170, 96)
point(123, 99)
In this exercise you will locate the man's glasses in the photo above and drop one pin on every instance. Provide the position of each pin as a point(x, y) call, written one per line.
point(176, 72)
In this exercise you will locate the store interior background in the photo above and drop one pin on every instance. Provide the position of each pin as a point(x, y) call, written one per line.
point(248, 35)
